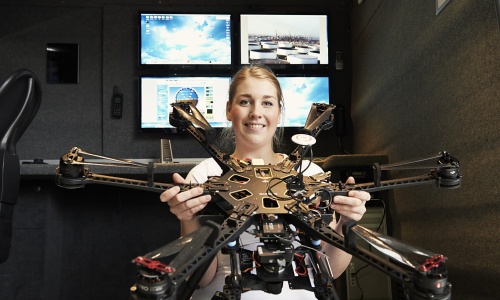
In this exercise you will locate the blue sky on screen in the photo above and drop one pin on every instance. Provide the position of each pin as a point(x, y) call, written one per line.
point(185, 39)
point(284, 25)
point(299, 94)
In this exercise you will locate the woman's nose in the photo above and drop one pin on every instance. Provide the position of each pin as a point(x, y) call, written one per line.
point(255, 112)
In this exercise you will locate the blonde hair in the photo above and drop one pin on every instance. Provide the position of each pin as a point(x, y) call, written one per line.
point(259, 71)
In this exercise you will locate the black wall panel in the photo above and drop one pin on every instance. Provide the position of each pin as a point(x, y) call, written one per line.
point(70, 114)
point(79, 114)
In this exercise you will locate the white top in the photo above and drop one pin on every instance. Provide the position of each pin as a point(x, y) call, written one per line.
point(209, 167)
point(200, 174)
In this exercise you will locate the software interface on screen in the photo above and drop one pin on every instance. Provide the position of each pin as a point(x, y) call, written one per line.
point(284, 39)
point(185, 39)
point(209, 95)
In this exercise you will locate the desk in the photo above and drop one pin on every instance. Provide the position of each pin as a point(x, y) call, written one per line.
point(49, 169)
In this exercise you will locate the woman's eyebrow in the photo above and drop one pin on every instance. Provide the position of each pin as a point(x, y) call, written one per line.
point(245, 95)
point(251, 97)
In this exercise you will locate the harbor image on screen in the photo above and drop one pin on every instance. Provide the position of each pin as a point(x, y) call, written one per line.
point(299, 94)
point(284, 39)
point(185, 39)
point(207, 94)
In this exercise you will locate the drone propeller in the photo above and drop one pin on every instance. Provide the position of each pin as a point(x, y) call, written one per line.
point(392, 247)
point(186, 244)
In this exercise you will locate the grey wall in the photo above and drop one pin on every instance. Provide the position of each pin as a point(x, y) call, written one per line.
point(78, 244)
point(70, 114)
point(106, 31)
point(421, 84)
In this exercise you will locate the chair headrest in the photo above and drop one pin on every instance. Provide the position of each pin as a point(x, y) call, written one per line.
point(20, 98)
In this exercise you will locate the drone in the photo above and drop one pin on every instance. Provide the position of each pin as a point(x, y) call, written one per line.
point(286, 207)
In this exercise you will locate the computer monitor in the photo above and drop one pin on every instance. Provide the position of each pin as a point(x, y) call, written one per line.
point(284, 41)
point(173, 41)
point(299, 93)
point(210, 95)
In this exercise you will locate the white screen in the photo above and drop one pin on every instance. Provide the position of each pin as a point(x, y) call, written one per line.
point(292, 39)
point(185, 39)
point(209, 94)
point(299, 93)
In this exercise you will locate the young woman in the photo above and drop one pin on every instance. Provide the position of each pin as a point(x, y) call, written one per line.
point(254, 108)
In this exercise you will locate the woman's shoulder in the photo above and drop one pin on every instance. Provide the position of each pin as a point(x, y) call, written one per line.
point(206, 168)
point(310, 167)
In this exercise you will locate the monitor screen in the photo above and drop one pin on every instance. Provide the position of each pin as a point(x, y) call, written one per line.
point(284, 39)
point(299, 93)
point(210, 94)
point(185, 39)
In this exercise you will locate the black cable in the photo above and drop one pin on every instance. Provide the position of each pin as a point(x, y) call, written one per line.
point(342, 148)
point(271, 194)
point(309, 164)
point(355, 274)
point(383, 214)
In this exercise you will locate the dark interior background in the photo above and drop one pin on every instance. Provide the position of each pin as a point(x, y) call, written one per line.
point(421, 84)
point(415, 83)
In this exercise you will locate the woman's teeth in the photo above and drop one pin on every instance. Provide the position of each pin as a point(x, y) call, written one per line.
point(255, 125)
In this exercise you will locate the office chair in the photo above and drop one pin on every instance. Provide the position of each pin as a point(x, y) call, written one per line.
point(20, 97)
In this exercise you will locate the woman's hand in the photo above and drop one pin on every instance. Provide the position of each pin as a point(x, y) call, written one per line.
point(351, 206)
point(186, 204)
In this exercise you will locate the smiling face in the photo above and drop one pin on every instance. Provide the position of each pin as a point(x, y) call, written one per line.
point(254, 111)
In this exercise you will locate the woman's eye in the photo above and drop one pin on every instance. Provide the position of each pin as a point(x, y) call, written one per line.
point(244, 102)
point(268, 103)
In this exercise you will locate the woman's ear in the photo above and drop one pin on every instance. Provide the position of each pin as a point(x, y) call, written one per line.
point(228, 113)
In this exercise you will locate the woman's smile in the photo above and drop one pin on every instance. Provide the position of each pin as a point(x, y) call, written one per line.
point(255, 126)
